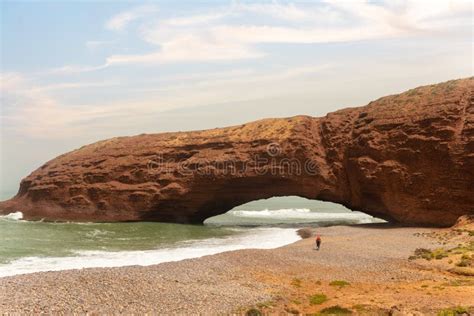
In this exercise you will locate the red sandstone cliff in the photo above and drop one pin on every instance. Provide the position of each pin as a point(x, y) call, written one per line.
point(407, 158)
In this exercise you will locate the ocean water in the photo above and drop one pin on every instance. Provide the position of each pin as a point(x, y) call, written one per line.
point(27, 246)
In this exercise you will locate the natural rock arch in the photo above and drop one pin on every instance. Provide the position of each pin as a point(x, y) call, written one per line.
point(407, 158)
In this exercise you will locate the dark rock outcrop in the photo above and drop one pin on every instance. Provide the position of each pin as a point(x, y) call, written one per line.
point(407, 158)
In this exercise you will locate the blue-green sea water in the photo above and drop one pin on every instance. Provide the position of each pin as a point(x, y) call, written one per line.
point(27, 247)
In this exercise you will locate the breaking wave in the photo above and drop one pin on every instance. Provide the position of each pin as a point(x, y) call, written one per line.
point(259, 238)
point(305, 214)
point(12, 216)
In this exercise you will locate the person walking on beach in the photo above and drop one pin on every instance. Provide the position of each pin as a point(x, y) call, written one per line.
point(318, 242)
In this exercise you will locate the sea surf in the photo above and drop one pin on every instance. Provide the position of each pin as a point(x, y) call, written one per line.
point(27, 247)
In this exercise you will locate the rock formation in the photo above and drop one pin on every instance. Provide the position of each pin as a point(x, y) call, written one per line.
point(408, 158)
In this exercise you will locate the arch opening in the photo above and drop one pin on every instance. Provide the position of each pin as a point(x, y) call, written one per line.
point(290, 211)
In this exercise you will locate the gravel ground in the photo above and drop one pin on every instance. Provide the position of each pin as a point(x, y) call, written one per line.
point(224, 282)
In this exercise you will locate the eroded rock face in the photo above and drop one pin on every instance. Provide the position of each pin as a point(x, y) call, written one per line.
point(407, 158)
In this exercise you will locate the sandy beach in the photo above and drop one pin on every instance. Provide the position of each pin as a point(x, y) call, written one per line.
point(369, 264)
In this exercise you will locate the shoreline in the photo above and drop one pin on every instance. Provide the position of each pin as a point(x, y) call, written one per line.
point(372, 260)
point(76, 256)
point(68, 260)
point(264, 237)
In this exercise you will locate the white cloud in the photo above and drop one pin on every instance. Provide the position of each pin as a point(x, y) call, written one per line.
point(290, 12)
point(221, 35)
point(74, 69)
point(121, 20)
point(34, 110)
point(196, 19)
point(93, 45)
point(10, 81)
point(190, 48)
point(73, 85)
point(212, 36)
point(271, 34)
point(29, 109)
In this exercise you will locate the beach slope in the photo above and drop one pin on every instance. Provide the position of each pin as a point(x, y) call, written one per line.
point(365, 269)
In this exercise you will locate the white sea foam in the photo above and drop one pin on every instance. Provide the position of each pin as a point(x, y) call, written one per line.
point(305, 214)
point(258, 238)
point(13, 216)
point(98, 233)
point(282, 213)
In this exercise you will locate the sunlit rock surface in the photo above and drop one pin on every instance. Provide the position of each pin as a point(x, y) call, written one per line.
point(408, 158)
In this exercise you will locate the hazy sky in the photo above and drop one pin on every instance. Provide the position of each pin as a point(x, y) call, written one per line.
point(74, 72)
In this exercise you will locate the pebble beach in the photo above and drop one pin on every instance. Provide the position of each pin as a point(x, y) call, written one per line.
point(371, 259)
